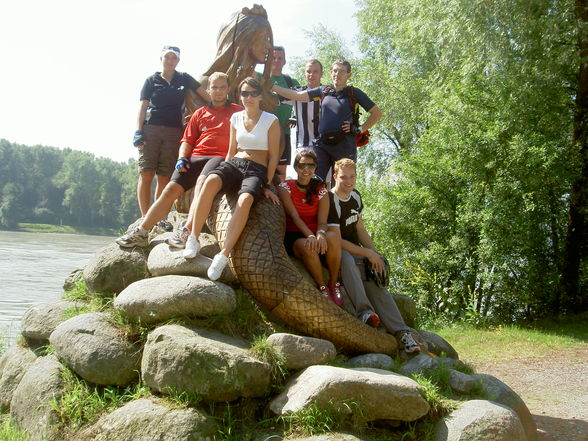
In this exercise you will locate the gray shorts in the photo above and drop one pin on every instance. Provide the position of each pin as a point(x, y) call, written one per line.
point(160, 153)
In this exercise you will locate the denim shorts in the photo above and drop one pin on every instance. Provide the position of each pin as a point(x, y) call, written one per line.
point(242, 175)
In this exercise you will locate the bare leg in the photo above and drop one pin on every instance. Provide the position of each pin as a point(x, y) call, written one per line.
point(197, 188)
point(162, 181)
point(237, 223)
point(282, 172)
point(144, 191)
point(311, 261)
point(162, 205)
point(333, 256)
point(212, 185)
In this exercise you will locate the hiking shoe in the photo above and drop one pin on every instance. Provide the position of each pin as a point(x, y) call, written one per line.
point(410, 345)
point(134, 239)
point(370, 318)
point(178, 240)
point(216, 268)
point(165, 225)
point(336, 293)
point(192, 247)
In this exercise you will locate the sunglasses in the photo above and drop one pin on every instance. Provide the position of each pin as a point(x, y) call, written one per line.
point(251, 93)
point(306, 165)
point(171, 48)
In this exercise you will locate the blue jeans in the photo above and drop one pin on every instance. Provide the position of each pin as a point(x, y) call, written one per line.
point(329, 154)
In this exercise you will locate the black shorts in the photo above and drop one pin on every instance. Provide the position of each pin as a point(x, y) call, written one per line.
point(287, 154)
point(243, 175)
point(289, 238)
point(199, 165)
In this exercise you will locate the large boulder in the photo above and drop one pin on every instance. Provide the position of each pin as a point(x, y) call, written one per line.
point(424, 364)
point(73, 278)
point(162, 298)
point(96, 349)
point(14, 364)
point(480, 420)
point(152, 420)
point(333, 436)
point(407, 308)
point(376, 361)
point(39, 321)
point(437, 344)
point(31, 408)
point(113, 268)
point(165, 260)
point(496, 390)
point(203, 362)
point(300, 352)
point(369, 394)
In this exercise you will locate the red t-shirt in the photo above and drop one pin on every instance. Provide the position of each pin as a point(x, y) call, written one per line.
point(308, 213)
point(209, 130)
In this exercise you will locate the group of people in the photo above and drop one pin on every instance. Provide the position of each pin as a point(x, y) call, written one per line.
point(232, 145)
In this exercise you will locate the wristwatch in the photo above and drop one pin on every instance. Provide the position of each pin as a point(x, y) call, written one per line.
point(321, 231)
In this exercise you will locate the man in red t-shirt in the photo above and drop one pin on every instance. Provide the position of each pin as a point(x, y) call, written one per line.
point(203, 147)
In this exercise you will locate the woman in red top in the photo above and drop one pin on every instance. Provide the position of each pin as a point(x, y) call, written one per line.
point(306, 202)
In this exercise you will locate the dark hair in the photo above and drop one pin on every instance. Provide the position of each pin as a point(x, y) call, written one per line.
point(315, 61)
point(343, 62)
point(315, 181)
point(280, 49)
point(252, 82)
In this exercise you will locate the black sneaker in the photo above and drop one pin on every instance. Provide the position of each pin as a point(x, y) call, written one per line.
point(133, 239)
point(165, 225)
point(178, 240)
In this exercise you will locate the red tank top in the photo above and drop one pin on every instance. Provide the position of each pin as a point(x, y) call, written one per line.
point(308, 212)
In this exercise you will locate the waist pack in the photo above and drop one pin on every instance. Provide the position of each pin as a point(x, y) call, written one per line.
point(332, 138)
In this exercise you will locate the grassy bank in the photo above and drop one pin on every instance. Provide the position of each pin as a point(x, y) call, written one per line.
point(48, 228)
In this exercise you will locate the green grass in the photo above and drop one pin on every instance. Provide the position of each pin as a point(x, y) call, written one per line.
point(10, 433)
point(67, 229)
point(263, 351)
point(511, 342)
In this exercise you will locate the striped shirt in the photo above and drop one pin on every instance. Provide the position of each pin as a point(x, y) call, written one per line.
point(307, 118)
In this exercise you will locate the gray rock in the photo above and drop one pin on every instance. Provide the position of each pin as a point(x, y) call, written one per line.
point(368, 394)
point(424, 364)
point(165, 260)
point(152, 420)
point(333, 436)
point(209, 245)
point(14, 362)
point(300, 352)
point(203, 362)
point(496, 390)
point(72, 279)
point(376, 361)
point(407, 307)
point(437, 344)
point(463, 383)
point(113, 268)
point(481, 420)
point(39, 321)
point(161, 298)
point(96, 350)
point(31, 406)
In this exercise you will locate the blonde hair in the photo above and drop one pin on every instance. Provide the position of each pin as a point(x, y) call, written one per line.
point(345, 162)
point(216, 76)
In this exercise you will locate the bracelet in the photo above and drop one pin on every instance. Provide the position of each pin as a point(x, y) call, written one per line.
point(310, 235)
point(321, 232)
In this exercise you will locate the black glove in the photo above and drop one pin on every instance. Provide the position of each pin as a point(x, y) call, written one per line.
point(355, 130)
point(138, 138)
point(182, 162)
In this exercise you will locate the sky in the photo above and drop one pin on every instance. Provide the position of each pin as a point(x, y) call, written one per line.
point(72, 70)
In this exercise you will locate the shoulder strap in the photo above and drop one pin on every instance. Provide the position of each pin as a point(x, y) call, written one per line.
point(289, 81)
point(354, 105)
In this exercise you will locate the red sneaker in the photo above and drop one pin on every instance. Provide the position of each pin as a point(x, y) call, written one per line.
point(336, 293)
point(370, 318)
point(326, 293)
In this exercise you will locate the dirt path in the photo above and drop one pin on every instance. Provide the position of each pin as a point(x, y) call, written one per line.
point(554, 387)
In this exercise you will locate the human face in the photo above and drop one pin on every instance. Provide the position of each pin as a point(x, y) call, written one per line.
point(345, 180)
point(339, 75)
point(305, 168)
point(278, 62)
point(261, 46)
point(249, 101)
point(218, 91)
point(169, 61)
point(313, 74)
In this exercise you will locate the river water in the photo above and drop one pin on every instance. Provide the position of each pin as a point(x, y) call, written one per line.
point(33, 267)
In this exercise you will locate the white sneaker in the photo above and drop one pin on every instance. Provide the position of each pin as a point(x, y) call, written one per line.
point(192, 247)
point(216, 268)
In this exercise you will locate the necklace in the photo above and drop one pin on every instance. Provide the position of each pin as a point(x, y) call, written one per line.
point(302, 185)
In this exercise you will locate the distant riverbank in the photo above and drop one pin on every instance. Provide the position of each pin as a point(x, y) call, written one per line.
point(68, 229)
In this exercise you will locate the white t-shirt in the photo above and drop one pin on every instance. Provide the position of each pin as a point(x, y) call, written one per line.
point(257, 139)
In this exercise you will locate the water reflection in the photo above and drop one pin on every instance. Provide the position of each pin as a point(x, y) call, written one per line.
point(33, 267)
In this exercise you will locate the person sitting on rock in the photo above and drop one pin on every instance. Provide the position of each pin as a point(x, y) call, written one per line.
point(306, 202)
point(249, 169)
point(373, 304)
point(204, 146)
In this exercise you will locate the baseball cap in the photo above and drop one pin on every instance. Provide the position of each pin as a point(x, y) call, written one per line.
point(174, 49)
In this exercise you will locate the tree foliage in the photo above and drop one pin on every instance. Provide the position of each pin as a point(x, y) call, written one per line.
point(49, 185)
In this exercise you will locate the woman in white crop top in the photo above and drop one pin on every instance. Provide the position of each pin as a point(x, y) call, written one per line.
point(248, 168)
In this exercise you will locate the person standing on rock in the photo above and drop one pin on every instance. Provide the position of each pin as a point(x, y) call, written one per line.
point(204, 146)
point(249, 170)
point(373, 304)
point(160, 124)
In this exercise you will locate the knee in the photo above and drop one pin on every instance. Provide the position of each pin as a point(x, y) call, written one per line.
point(333, 240)
point(212, 183)
point(172, 191)
point(146, 177)
point(245, 199)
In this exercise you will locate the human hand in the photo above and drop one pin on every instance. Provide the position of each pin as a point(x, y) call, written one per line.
point(183, 164)
point(311, 243)
point(271, 196)
point(322, 243)
point(376, 261)
point(138, 140)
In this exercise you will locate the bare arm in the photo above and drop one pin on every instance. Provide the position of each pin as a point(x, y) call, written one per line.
point(142, 114)
point(375, 114)
point(204, 94)
point(232, 144)
point(273, 149)
point(296, 95)
point(367, 250)
point(293, 213)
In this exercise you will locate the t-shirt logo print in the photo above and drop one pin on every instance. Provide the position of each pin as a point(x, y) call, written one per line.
point(353, 218)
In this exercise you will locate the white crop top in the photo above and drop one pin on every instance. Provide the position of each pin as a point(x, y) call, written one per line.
point(257, 138)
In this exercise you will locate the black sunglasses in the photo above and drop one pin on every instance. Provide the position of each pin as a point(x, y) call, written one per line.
point(306, 165)
point(252, 93)
point(171, 48)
